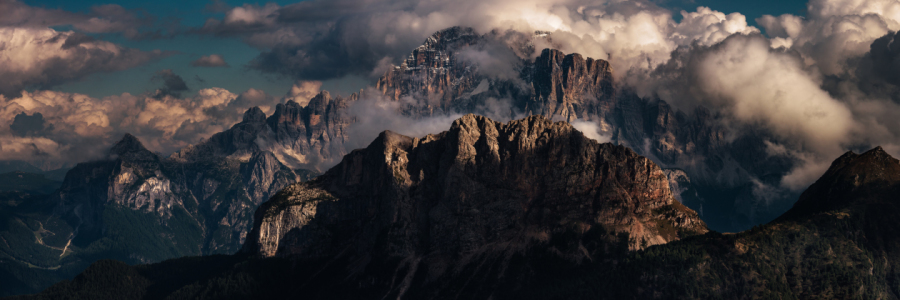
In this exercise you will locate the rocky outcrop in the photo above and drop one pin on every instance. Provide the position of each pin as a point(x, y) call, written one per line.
point(571, 86)
point(730, 167)
point(434, 75)
point(853, 180)
point(482, 187)
point(839, 242)
point(683, 189)
point(300, 137)
point(136, 206)
point(215, 195)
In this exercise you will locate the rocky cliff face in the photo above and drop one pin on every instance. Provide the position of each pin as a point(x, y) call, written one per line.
point(481, 189)
point(298, 136)
point(434, 75)
point(192, 205)
point(136, 206)
point(727, 168)
point(572, 87)
point(839, 242)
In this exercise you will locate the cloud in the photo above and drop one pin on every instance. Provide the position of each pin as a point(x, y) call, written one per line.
point(212, 60)
point(749, 84)
point(53, 129)
point(173, 84)
point(835, 32)
point(494, 60)
point(302, 91)
point(591, 130)
point(42, 58)
point(317, 40)
point(109, 18)
point(375, 114)
point(25, 125)
point(879, 69)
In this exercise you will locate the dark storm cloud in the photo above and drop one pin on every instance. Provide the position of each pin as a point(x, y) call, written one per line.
point(318, 60)
point(173, 84)
point(25, 125)
point(879, 70)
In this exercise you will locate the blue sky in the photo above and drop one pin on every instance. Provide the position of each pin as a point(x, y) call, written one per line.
point(237, 77)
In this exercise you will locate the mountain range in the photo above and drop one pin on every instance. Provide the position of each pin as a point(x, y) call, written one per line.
point(530, 209)
point(137, 206)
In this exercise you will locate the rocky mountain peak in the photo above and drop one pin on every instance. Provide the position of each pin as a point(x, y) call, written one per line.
point(468, 190)
point(571, 86)
point(254, 115)
point(130, 148)
point(853, 179)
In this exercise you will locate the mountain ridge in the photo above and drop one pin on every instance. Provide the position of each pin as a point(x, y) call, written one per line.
point(585, 183)
point(225, 177)
point(851, 179)
point(841, 253)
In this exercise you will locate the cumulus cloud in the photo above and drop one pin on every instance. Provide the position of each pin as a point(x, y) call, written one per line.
point(835, 32)
point(330, 39)
point(212, 60)
point(302, 91)
point(749, 83)
point(42, 58)
point(54, 129)
point(744, 77)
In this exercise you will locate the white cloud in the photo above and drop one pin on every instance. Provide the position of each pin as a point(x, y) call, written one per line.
point(80, 127)
point(298, 41)
point(302, 91)
point(591, 130)
point(34, 57)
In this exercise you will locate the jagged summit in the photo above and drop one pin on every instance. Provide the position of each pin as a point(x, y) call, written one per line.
point(254, 115)
point(852, 179)
point(480, 184)
point(130, 148)
point(569, 85)
point(483, 193)
point(296, 134)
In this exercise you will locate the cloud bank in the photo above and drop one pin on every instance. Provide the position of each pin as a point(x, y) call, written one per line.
point(316, 40)
point(55, 129)
point(818, 85)
point(42, 58)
